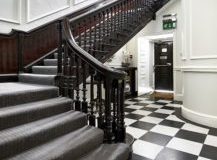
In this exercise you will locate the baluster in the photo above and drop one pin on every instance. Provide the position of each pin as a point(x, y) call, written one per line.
point(92, 117)
point(121, 130)
point(77, 101)
point(84, 89)
point(99, 104)
point(114, 105)
point(59, 58)
point(108, 118)
point(90, 37)
point(65, 71)
point(71, 73)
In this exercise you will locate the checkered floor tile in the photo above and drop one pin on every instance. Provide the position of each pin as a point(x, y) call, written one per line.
point(161, 134)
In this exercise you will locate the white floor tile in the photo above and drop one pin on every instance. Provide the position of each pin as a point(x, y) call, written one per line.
point(164, 111)
point(136, 132)
point(164, 101)
point(185, 146)
point(129, 102)
point(141, 98)
point(153, 120)
point(129, 121)
point(154, 106)
point(142, 112)
point(174, 118)
point(202, 158)
point(147, 102)
point(193, 128)
point(174, 105)
point(146, 149)
point(170, 131)
point(211, 140)
point(135, 107)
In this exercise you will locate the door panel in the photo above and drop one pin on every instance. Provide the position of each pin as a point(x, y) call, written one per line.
point(164, 66)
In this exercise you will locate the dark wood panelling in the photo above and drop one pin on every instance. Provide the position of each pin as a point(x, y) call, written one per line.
point(8, 54)
point(39, 43)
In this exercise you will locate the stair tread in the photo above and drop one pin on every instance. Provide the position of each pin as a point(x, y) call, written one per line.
point(23, 113)
point(70, 146)
point(42, 79)
point(20, 138)
point(109, 152)
point(15, 93)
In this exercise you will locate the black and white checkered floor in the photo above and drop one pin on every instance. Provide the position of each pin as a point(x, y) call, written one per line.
point(160, 134)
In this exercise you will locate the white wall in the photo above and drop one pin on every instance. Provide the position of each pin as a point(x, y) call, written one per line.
point(200, 66)
point(28, 14)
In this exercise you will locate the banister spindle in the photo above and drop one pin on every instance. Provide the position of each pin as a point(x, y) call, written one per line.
point(108, 118)
point(99, 104)
point(121, 130)
point(92, 117)
point(84, 89)
point(77, 88)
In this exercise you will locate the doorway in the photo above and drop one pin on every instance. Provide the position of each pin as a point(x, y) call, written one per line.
point(163, 66)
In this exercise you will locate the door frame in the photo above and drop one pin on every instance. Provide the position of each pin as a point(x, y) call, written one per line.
point(154, 73)
point(152, 39)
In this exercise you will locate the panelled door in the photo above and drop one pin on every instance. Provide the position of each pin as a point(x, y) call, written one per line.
point(163, 66)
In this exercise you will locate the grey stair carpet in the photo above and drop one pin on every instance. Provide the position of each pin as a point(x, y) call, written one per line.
point(110, 151)
point(19, 93)
point(68, 147)
point(48, 70)
point(24, 113)
point(15, 140)
point(37, 79)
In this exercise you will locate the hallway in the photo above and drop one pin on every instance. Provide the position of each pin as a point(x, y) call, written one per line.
point(161, 133)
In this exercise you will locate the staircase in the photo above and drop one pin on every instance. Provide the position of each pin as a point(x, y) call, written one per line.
point(36, 123)
point(69, 105)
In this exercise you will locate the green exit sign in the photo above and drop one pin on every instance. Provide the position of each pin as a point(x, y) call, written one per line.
point(169, 22)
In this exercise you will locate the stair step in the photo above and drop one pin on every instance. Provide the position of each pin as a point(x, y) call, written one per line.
point(68, 147)
point(37, 79)
point(109, 152)
point(29, 112)
point(19, 93)
point(53, 62)
point(48, 70)
point(24, 137)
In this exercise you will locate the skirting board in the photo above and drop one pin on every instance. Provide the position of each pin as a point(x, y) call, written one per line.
point(204, 119)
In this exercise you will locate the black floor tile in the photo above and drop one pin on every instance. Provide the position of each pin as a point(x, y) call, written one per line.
point(160, 103)
point(149, 109)
point(170, 123)
point(137, 157)
point(213, 132)
point(168, 108)
point(134, 116)
point(134, 100)
point(156, 138)
point(141, 104)
point(159, 115)
point(129, 110)
point(170, 154)
point(177, 102)
point(209, 152)
point(143, 125)
point(192, 136)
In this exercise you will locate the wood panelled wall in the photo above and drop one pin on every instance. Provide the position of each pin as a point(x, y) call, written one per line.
point(34, 45)
point(8, 54)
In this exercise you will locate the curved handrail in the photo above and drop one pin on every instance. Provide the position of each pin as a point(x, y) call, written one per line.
point(85, 56)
